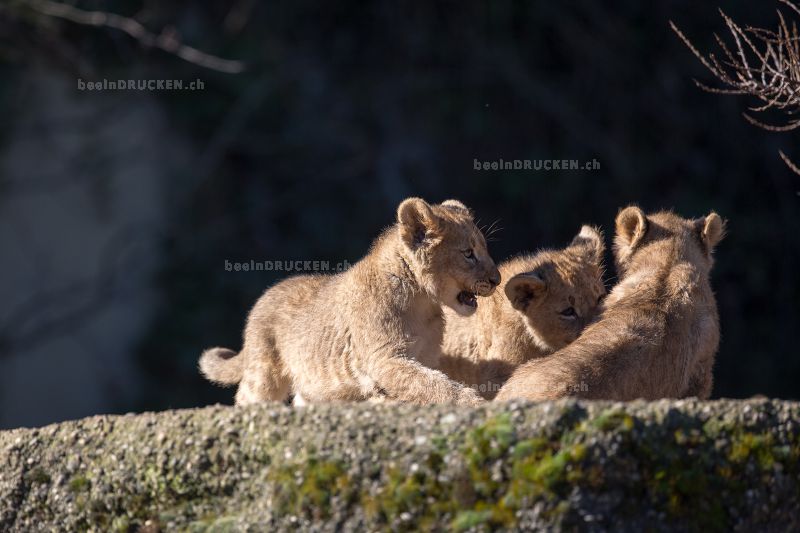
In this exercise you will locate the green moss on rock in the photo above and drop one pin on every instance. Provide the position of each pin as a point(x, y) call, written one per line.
point(565, 465)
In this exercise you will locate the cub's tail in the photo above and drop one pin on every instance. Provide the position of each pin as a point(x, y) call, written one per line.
point(222, 366)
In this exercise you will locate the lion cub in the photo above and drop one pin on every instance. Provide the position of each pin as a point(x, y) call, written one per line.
point(658, 332)
point(547, 300)
point(374, 331)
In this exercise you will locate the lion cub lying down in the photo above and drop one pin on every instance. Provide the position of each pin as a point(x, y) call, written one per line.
point(659, 330)
point(374, 331)
point(548, 299)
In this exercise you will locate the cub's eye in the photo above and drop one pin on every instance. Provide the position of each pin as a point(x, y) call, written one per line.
point(599, 299)
point(468, 253)
point(568, 313)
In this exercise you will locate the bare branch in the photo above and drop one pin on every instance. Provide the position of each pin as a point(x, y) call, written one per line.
point(794, 168)
point(761, 63)
point(773, 78)
point(166, 40)
point(769, 127)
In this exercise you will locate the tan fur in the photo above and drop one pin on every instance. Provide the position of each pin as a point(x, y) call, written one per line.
point(524, 320)
point(659, 330)
point(372, 331)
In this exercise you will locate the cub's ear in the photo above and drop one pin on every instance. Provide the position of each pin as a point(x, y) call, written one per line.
point(631, 226)
point(525, 288)
point(592, 239)
point(416, 219)
point(457, 206)
point(711, 230)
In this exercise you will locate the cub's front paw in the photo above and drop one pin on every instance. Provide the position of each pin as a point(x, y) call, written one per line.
point(468, 396)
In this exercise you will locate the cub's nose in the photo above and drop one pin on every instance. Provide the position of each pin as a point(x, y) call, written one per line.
point(494, 278)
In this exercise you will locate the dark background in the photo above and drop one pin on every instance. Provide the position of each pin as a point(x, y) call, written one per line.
point(346, 109)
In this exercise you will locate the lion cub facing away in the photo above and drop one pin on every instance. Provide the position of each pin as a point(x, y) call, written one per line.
point(659, 330)
point(547, 300)
point(372, 331)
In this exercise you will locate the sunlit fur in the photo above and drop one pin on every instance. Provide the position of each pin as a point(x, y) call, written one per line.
point(372, 331)
point(659, 331)
point(524, 320)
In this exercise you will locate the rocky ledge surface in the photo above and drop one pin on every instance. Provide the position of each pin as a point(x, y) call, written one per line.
point(594, 466)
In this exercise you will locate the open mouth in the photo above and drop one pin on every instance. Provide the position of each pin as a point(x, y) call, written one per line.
point(470, 299)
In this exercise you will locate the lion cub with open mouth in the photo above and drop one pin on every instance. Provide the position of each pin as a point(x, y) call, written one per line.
point(374, 331)
point(659, 330)
point(547, 300)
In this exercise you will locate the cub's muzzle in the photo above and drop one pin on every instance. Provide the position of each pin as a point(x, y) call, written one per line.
point(484, 288)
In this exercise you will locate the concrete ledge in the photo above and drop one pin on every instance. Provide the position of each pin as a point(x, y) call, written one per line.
point(683, 465)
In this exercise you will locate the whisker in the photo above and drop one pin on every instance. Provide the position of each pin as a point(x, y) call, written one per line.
point(493, 228)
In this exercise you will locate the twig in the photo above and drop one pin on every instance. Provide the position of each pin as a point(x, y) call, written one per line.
point(764, 64)
point(166, 41)
point(794, 168)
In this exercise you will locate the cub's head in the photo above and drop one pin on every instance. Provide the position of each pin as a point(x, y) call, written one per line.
point(659, 237)
point(559, 291)
point(448, 251)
